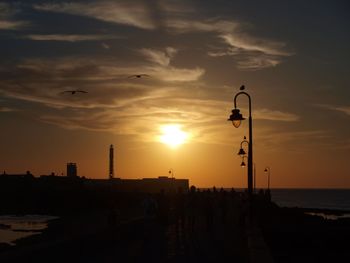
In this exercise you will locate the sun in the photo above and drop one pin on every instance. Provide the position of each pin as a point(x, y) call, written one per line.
point(172, 135)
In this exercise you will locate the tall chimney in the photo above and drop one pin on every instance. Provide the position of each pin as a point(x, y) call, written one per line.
point(111, 162)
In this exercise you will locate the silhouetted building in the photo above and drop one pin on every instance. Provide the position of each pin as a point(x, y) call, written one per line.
point(15, 183)
point(27, 175)
point(111, 162)
point(145, 185)
point(72, 170)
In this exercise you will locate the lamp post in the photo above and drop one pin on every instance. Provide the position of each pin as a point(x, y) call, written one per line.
point(171, 172)
point(236, 118)
point(268, 170)
point(254, 188)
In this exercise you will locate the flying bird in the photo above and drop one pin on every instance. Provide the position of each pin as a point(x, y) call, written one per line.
point(138, 76)
point(242, 87)
point(73, 91)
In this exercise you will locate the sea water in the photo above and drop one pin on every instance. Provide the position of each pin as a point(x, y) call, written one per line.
point(333, 199)
point(14, 227)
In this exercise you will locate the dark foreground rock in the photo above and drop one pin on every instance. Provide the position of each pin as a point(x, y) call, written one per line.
point(294, 236)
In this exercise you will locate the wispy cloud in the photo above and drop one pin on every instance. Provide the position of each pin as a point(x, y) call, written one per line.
point(158, 56)
point(266, 114)
point(132, 13)
point(250, 43)
point(7, 20)
point(42, 80)
point(232, 38)
point(192, 114)
point(164, 71)
point(12, 25)
point(251, 52)
point(177, 74)
point(186, 25)
point(343, 109)
point(122, 105)
point(258, 62)
point(105, 46)
point(6, 109)
point(84, 69)
point(70, 38)
point(203, 117)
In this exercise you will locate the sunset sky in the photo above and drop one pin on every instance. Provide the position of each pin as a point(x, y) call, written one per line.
point(292, 56)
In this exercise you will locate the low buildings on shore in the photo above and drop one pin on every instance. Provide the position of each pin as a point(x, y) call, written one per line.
point(144, 185)
point(149, 185)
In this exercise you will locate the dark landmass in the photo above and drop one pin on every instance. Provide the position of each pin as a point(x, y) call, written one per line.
point(294, 236)
point(291, 236)
point(101, 224)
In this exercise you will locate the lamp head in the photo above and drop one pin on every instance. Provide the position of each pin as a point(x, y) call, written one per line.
point(236, 118)
point(242, 164)
point(265, 170)
point(241, 152)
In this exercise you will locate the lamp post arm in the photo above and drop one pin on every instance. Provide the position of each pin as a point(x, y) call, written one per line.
point(250, 103)
point(244, 142)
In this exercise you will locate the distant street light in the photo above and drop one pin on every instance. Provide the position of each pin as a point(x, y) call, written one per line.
point(236, 118)
point(171, 171)
point(268, 170)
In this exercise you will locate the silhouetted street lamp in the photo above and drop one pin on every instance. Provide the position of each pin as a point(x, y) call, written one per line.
point(241, 151)
point(243, 163)
point(236, 118)
point(171, 172)
point(268, 170)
